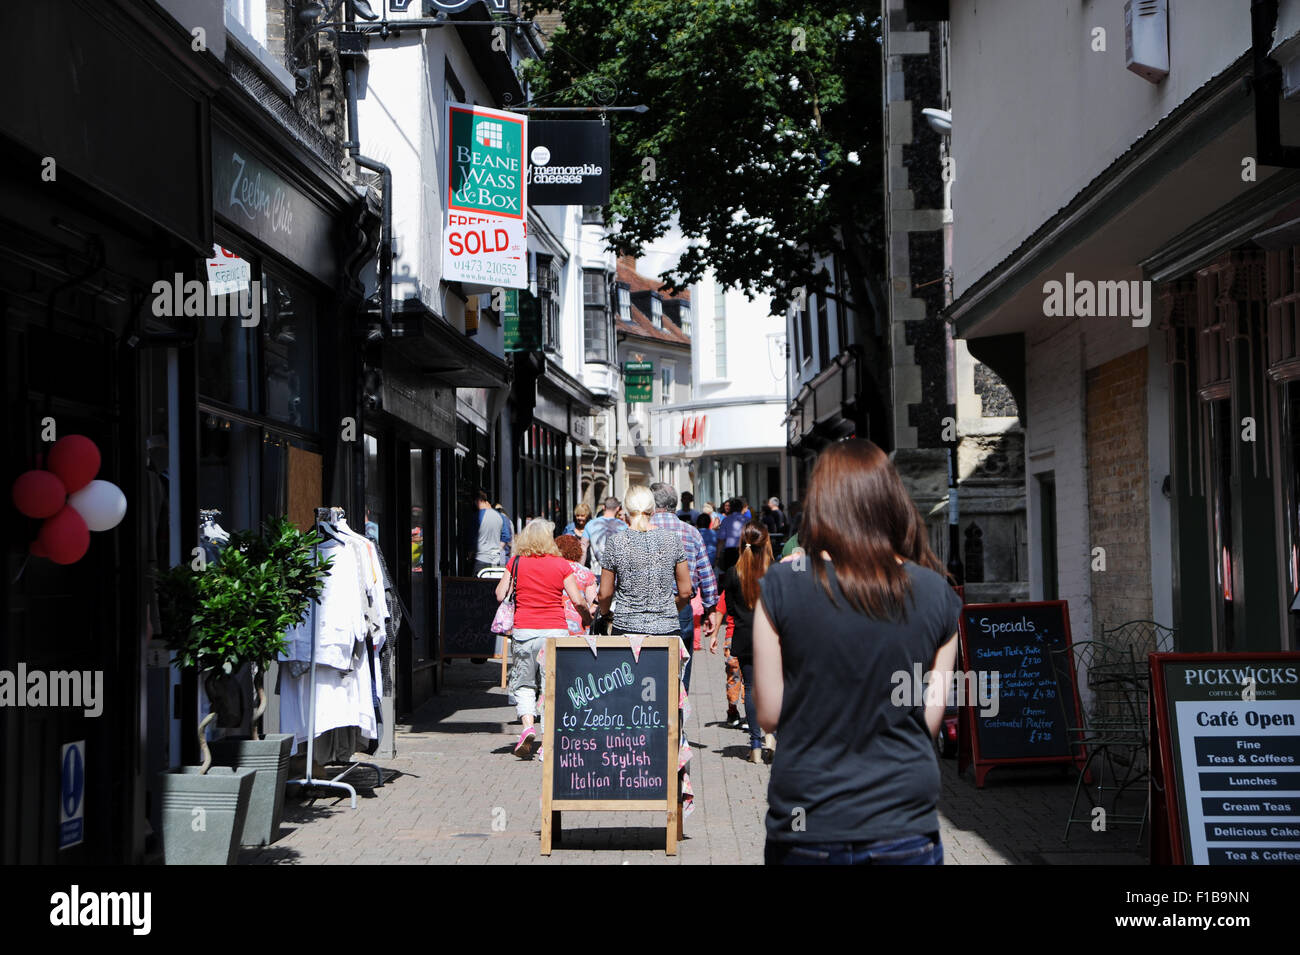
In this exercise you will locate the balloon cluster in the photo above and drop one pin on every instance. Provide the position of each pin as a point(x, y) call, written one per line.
point(69, 499)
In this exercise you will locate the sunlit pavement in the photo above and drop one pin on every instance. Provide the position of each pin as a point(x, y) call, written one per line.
point(459, 796)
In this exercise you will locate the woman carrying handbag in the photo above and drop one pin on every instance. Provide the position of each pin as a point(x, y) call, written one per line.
point(538, 580)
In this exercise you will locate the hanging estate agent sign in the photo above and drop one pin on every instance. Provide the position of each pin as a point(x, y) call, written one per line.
point(485, 161)
point(568, 163)
point(1226, 753)
point(638, 381)
point(610, 729)
point(252, 197)
point(1009, 647)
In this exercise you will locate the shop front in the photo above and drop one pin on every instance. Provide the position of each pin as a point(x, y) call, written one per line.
point(86, 229)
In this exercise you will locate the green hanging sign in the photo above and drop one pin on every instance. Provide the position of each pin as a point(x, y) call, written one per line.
point(638, 381)
point(522, 320)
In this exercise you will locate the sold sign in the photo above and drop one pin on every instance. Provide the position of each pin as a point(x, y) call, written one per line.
point(484, 250)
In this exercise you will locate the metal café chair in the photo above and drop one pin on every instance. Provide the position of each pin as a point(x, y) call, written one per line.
point(1110, 685)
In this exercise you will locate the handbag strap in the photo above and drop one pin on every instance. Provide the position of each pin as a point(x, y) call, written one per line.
point(514, 577)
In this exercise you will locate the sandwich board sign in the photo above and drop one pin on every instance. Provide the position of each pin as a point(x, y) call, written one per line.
point(485, 237)
point(1226, 758)
point(611, 731)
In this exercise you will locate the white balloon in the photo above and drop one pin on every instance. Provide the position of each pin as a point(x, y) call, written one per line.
point(101, 504)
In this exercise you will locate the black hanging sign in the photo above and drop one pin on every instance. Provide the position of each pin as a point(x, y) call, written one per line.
point(568, 162)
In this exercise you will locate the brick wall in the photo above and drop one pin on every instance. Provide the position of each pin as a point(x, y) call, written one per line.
point(1118, 504)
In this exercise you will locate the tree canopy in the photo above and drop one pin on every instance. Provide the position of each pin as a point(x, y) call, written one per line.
point(762, 136)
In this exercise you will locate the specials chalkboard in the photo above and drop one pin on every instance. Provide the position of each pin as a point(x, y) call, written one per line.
point(1015, 707)
point(1226, 755)
point(467, 606)
point(611, 729)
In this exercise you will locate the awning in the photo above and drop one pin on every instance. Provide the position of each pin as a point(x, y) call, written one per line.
point(443, 353)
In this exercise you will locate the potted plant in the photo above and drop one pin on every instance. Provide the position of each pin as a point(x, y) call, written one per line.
point(218, 618)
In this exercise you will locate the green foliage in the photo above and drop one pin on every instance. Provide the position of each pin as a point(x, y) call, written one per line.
point(237, 609)
point(764, 127)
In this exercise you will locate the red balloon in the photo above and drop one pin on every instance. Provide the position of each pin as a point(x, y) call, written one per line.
point(65, 538)
point(75, 459)
point(39, 494)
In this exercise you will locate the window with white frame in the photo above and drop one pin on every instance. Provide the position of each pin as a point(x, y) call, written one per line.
point(667, 377)
point(719, 331)
point(624, 303)
point(656, 311)
point(684, 316)
point(595, 312)
point(548, 295)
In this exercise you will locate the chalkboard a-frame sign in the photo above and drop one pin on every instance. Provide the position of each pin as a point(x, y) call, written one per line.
point(466, 607)
point(1030, 726)
point(611, 732)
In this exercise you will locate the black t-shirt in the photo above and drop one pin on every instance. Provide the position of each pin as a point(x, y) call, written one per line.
point(853, 766)
point(742, 638)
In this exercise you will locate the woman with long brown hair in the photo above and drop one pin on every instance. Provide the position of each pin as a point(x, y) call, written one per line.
point(837, 633)
point(740, 586)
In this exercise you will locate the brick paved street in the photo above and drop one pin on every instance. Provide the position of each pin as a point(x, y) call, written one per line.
point(455, 777)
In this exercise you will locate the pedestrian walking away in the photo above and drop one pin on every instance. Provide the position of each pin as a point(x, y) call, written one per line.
point(775, 521)
point(831, 635)
point(544, 577)
point(729, 532)
point(645, 572)
point(740, 588)
point(598, 531)
point(488, 534)
point(703, 577)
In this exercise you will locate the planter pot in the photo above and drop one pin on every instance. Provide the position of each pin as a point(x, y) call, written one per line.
point(209, 837)
point(269, 759)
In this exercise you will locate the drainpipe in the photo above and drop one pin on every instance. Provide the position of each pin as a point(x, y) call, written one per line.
point(353, 146)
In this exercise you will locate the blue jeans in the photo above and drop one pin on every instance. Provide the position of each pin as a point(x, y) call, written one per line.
point(751, 711)
point(910, 850)
point(686, 620)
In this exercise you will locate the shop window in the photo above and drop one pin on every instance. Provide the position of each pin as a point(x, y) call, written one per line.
point(268, 368)
point(595, 301)
point(288, 353)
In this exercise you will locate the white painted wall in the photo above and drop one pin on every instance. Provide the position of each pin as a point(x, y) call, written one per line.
point(1054, 441)
point(1037, 113)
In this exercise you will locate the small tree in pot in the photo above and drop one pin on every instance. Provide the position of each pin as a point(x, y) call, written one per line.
point(236, 609)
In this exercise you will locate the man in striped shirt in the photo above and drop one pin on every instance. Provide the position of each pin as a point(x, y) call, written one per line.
point(702, 577)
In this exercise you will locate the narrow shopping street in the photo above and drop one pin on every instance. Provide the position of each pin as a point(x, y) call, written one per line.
point(455, 778)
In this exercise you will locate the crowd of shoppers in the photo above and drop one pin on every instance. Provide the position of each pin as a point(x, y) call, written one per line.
point(810, 644)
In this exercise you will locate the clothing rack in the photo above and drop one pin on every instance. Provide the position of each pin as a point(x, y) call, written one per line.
point(327, 516)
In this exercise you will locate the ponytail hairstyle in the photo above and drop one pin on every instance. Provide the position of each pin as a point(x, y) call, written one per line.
point(755, 558)
point(639, 502)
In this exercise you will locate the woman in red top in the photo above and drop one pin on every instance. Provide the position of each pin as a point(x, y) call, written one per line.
point(543, 580)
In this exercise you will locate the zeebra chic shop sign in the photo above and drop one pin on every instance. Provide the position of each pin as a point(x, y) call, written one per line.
point(251, 196)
